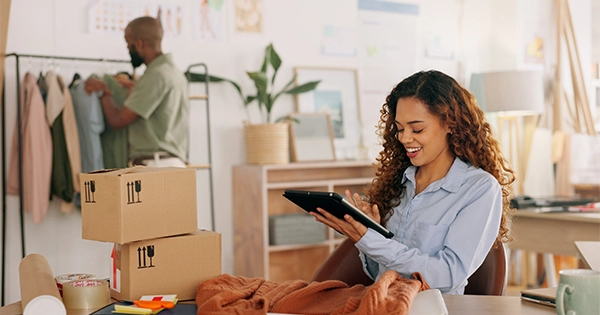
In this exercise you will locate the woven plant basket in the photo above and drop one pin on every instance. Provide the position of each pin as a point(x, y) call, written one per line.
point(267, 143)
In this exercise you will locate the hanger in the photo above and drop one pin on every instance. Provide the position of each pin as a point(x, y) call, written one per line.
point(29, 65)
point(75, 80)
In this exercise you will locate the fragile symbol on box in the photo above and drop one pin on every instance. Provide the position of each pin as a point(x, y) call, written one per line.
point(90, 189)
point(143, 253)
point(134, 197)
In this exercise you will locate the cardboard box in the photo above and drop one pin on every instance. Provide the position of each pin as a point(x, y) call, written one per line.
point(138, 203)
point(170, 265)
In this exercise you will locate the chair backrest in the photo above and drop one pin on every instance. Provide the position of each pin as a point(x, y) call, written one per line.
point(346, 255)
point(489, 279)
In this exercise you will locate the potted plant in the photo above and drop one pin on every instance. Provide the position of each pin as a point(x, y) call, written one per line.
point(267, 142)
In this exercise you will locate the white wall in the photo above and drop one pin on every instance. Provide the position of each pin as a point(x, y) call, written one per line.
point(59, 27)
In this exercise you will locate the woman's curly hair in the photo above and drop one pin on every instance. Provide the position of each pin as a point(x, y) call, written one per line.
point(470, 139)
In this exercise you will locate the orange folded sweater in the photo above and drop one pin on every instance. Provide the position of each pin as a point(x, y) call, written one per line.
point(226, 294)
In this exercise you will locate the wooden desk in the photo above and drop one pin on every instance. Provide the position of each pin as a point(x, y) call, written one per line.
point(553, 232)
point(456, 305)
point(493, 305)
point(589, 252)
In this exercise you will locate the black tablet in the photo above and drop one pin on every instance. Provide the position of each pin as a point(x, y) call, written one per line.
point(334, 204)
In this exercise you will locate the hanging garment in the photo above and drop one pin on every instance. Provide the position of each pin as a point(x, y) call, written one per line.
point(36, 152)
point(55, 100)
point(41, 82)
point(66, 156)
point(90, 124)
point(71, 134)
point(114, 142)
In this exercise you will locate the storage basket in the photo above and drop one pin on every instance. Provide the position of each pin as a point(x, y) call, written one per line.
point(286, 229)
point(267, 143)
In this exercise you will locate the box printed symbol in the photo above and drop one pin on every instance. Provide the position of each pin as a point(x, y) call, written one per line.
point(143, 252)
point(90, 189)
point(131, 195)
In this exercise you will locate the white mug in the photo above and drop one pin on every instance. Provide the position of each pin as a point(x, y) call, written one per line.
point(578, 292)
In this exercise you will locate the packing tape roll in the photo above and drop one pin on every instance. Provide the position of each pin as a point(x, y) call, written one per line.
point(86, 294)
point(62, 279)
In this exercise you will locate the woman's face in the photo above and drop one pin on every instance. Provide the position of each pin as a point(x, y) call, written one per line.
point(421, 133)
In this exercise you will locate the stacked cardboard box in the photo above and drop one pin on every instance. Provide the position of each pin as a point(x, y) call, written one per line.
point(150, 216)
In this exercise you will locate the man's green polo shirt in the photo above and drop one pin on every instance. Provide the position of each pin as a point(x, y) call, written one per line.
point(160, 99)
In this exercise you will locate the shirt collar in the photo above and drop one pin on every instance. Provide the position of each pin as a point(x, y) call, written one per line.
point(451, 182)
point(163, 58)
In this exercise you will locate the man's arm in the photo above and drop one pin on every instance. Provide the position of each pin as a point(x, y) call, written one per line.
point(116, 117)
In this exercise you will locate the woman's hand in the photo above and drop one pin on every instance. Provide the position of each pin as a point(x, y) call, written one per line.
point(357, 201)
point(351, 228)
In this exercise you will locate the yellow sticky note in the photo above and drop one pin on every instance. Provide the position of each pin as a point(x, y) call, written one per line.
point(131, 310)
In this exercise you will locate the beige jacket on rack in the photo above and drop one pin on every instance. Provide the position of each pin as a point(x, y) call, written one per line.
point(37, 152)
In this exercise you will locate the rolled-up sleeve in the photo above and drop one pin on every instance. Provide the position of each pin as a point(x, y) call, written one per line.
point(444, 235)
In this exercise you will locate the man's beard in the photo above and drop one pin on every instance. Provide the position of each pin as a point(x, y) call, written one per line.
point(136, 59)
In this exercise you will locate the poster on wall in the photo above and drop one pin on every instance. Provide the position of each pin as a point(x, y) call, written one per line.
point(532, 45)
point(248, 16)
point(208, 20)
point(339, 41)
point(171, 18)
point(388, 52)
point(533, 33)
point(337, 96)
point(112, 16)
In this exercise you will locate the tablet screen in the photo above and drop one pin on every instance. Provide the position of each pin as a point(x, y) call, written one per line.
point(335, 204)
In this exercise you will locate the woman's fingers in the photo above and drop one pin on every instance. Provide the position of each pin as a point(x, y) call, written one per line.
point(348, 226)
point(350, 197)
point(358, 230)
point(375, 214)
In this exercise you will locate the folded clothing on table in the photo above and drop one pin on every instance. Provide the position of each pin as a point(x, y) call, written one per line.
point(226, 294)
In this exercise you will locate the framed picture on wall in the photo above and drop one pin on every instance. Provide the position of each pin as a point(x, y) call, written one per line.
point(337, 96)
point(311, 137)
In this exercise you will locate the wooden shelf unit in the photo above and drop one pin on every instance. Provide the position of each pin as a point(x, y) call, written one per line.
point(257, 194)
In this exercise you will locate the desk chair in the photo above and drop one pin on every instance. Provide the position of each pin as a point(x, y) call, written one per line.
point(489, 279)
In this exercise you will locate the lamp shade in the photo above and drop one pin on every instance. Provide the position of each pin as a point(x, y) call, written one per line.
point(509, 93)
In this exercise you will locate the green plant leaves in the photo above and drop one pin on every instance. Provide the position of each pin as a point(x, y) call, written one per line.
point(261, 80)
point(275, 62)
point(201, 77)
point(306, 87)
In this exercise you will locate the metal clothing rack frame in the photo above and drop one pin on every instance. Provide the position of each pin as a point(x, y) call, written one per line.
point(20, 150)
point(205, 98)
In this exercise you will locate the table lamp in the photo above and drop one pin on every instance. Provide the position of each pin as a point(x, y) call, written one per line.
point(510, 94)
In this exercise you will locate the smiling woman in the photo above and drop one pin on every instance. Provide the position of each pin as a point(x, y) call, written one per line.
point(442, 186)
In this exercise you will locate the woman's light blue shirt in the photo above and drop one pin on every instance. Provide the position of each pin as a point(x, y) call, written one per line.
point(445, 232)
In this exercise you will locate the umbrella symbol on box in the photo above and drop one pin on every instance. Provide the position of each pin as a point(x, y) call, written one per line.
point(133, 191)
point(90, 189)
point(143, 253)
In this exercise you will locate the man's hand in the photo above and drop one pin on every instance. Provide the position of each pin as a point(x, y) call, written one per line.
point(125, 81)
point(95, 85)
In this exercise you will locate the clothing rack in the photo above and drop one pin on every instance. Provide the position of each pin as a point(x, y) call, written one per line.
point(204, 80)
point(19, 138)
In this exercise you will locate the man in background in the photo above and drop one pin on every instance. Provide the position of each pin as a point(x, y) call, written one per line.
point(156, 111)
